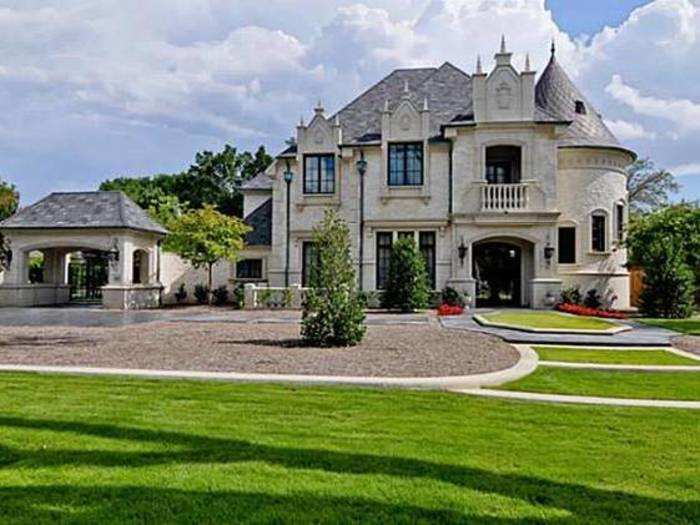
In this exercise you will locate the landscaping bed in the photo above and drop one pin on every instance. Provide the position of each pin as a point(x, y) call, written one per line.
point(425, 350)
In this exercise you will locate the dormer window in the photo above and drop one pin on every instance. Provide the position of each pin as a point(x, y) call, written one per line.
point(406, 164)
point(580, 107)
point(319, 174)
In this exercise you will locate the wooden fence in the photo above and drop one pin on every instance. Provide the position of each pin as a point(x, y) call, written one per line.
point(636, 285)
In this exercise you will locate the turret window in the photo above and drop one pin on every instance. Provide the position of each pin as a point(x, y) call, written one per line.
point(580, 107)
point(598, 232)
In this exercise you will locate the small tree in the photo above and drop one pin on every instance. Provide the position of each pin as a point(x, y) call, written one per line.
point(204, 237)
point(668, 281)
point(9, 202)
point(407, 286)
point(333, 311)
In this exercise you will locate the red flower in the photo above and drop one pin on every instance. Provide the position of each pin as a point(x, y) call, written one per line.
point(577, 309)
point(446, 309)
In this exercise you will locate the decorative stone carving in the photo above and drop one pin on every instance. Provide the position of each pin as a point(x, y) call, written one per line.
point(504, 96)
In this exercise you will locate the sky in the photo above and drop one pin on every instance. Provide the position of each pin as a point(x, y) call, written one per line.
point(91, 90)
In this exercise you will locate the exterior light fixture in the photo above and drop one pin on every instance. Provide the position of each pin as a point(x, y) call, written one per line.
point(113, 253)
point(462, 250)
point(548, 252)
point(361, 165)
point(288, 177)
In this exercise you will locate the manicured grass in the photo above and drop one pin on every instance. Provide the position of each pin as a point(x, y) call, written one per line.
point(643, 385)
point(685, 326)
point(613, 357)
point(95, 450)
point(532, 319)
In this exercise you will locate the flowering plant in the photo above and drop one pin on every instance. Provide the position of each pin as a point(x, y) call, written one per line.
point(446, 309)
point(577, 309)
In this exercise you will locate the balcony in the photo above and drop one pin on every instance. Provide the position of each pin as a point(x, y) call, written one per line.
point(505, 197)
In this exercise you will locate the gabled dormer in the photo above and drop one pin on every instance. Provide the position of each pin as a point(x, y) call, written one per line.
point(504, 95)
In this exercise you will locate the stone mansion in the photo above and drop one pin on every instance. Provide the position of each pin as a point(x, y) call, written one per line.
point(513, 188)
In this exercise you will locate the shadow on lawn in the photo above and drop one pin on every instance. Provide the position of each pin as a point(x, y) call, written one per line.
point(583, 503)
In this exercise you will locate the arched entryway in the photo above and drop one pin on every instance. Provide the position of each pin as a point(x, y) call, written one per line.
point(502, 267)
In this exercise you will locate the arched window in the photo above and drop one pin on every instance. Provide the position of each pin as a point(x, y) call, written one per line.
point(599, 229)
point(503, 164)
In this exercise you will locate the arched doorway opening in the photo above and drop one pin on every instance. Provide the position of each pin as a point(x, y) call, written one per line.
point(502, 269)
point(88, 272)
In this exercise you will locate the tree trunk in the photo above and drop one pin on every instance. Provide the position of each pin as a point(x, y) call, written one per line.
point(209, 285)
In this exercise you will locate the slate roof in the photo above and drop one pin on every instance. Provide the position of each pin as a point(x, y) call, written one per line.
point(449, 93)
point(556, 95)
point(260, 220)
point(259, 182)
point(95, 209)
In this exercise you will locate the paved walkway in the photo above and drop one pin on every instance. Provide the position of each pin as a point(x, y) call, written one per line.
point(640, 335)
point(584, 400)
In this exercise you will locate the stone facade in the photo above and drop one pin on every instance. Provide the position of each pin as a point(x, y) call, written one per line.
point(570, 168)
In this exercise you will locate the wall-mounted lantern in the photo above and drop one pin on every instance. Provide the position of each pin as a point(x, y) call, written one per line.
point(548, 253)
point(462, 251)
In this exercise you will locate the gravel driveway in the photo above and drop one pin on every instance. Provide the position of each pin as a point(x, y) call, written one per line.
point(398, 351)
point(689, 343)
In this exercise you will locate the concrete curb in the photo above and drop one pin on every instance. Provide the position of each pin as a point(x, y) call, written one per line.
point(601, 366)
point(525, 366)
point(583, 400)
point(563, 331)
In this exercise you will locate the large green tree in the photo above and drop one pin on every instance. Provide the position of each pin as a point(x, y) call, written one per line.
point(9, 202)
point(407, 287)
point(204, 237)
point(649, 187)
point(677, 226)
point(213, 178)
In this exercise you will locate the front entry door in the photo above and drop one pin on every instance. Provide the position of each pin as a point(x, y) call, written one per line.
point(497, 269)
point(87, 274)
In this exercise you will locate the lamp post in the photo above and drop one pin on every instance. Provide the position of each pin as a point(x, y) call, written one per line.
point(288, 176)
point(361, 170)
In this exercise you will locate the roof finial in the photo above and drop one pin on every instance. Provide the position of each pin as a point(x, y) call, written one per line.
point(425, 104)
point(527, 63)
point(301, 121)
point(553, 49)
point(503, 44)
point(319, 108)
point(336, 120)
point(479, 69)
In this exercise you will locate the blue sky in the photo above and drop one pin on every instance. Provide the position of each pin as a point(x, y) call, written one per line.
point(95, 90)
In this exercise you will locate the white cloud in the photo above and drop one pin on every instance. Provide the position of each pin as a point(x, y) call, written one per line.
point(682, 112)
point(167, 76)
point(624, 130)
point(687, 170)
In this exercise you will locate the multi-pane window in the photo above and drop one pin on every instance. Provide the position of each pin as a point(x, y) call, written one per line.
point(406, 164)
point(503, 164)
point(249, 269)
point(426, 243)
point(598, 241)
point(620, 220)
point(567, 245)
point(309, 263)
point(319, 174)
point(384, 241)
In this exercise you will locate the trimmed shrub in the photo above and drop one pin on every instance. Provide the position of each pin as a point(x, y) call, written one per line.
point(220, 295)
point(333, 310)
point(407, 287)
point(201, 293)
point(452, 297)
point(669, 283)
point(571, 295)
point(181, 294)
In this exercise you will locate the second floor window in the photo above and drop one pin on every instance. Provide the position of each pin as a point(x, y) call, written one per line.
point(319, 174)
point(503, 164)
point(598, 241)
point(406, 164)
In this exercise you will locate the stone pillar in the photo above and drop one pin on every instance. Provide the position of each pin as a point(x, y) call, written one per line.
point(249, 296)
point(296, 296)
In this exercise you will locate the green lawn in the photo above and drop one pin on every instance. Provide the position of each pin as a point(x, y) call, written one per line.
point(91, 450)
point(544, 320)
point(643, 385)
point(613, 357)
point(685, 326)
